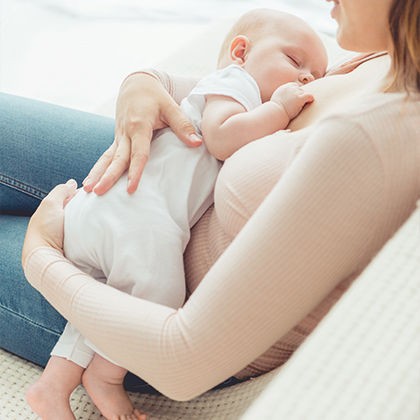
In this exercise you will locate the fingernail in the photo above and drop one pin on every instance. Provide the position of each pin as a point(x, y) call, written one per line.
point(71, 182)
point(85, 181)
point(96, 188)
point(193, 137)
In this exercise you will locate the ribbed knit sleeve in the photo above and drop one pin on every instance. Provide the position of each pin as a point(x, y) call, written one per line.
point(177, 86)
point(312, 231)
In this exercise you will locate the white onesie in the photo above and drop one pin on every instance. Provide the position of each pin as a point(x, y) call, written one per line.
point(136, 242)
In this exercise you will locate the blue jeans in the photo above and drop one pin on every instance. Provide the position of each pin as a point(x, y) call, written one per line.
point(41, 145)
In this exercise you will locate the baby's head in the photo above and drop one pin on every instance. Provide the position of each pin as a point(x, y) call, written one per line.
point(275, 48)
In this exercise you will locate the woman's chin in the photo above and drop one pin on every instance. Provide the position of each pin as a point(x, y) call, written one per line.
point(345, 43)
point(348, 44)
point(341, 40)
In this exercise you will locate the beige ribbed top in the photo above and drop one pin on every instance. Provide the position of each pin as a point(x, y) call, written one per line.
point(354, 181)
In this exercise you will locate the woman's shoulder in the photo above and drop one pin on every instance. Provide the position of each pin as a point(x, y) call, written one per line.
point(384, 113)
point(387, 124)
point(394, 105)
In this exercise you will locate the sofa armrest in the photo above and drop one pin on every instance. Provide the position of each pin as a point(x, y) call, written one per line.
point(363, 360)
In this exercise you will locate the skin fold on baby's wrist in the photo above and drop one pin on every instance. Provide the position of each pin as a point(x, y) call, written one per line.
point(280, 107)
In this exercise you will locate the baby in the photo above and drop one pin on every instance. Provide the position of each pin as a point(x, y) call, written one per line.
point(135, 243)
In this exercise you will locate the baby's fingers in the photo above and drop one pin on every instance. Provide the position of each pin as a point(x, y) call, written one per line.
point(307, 98)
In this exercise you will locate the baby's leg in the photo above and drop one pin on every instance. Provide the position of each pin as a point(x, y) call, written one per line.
point(104, 383)
point(145, 260)
point(71, 346)
point(151, 268)
point(49, 396)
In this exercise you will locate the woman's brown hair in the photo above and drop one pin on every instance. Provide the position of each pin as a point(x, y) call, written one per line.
point(404, 23)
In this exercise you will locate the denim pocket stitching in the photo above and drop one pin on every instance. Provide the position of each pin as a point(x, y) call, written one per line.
point(22, 187)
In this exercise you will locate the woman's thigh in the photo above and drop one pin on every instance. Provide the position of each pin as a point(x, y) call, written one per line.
point(29, 325)
point(42, 145)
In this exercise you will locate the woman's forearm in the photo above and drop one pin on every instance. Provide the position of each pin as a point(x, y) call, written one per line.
point(294, 250)
point(177, 86)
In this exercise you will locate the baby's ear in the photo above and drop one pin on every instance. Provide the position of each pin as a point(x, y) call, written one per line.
point(239, 48)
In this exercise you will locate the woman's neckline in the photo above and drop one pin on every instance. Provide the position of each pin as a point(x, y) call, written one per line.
point(349, 65)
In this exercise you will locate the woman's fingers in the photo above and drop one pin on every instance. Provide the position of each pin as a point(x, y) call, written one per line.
point(99, 168)
point(46, 226)
point(140, 149)
point(180, 125)
point(71, 185)
point(61, 194)
point(173, 116)
point(143, 105)
point(141, 134)
point(118, 165)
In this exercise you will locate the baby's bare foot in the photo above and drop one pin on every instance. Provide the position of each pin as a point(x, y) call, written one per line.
point(136, 415)
point(49, 401)
point(107, 391)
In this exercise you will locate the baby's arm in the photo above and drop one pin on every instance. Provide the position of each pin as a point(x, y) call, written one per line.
point(227, 126)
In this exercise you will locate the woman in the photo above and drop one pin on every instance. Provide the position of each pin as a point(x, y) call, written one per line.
point(352, 184)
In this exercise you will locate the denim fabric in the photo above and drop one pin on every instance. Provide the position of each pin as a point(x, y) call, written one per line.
point(41, 145)
point(29, 326)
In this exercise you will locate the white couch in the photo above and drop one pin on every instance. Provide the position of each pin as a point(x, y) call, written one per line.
point(361, 362)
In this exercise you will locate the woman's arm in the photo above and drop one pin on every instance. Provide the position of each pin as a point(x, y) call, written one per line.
point(144, 104)
point(143, 99)
point(311, 232)
point(178, 87)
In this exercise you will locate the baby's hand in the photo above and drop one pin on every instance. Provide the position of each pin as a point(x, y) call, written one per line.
point(292, 97)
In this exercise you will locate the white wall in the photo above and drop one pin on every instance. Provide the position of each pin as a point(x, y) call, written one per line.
point(76, 52)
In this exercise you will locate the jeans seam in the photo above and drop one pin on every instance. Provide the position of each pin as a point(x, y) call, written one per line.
point(17, 314)
point(22, 187)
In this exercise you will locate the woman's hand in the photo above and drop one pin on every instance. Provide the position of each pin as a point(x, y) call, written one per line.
point(143, 105)
point(46, 227)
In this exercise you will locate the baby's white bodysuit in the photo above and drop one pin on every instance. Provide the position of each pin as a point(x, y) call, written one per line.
point(135, 242)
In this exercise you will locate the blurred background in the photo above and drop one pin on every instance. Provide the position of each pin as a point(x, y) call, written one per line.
point(76, 52)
